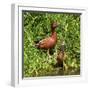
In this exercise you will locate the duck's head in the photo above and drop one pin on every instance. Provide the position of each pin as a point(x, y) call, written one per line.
point(62, 47)
point(54, 25)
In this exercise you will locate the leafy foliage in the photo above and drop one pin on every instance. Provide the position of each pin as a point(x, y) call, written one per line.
point(36, 27)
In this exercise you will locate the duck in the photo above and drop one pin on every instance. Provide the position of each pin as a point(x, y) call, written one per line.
point(49, 42)
point(61, 56)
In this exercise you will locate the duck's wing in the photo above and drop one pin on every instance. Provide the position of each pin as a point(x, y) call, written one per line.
point(44, 43)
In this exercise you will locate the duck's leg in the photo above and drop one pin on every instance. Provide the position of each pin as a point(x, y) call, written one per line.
point(48, 53)
point(49, 57)
point(64, 66)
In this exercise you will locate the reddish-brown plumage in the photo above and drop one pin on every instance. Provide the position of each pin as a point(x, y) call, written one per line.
point(49, 42)
point(61, 56)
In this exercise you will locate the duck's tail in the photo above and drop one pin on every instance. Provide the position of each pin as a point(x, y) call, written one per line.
point(37, 45)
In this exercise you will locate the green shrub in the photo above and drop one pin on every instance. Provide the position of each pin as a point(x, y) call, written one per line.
point(36, 27)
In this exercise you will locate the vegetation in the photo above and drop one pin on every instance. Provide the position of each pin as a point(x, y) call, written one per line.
point(36, 27)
